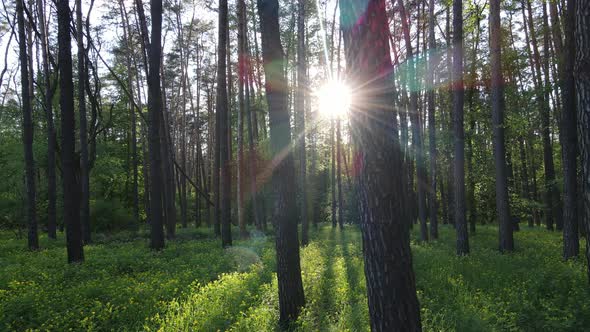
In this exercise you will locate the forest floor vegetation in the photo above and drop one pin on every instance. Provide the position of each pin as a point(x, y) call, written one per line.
point(195, 285)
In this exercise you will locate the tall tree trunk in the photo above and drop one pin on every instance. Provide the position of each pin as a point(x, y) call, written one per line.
point(416, 126)
point(551, 212)
point(33, 238)
point(48, 103)
point(155, 117)
point(223, 110)
point(571, 245)
point(300, 104)
point(582, 79)
point(432, 62)
point(71, 192)
point(84, 169)
point(393, 304)
point(339, 173)
point(459, 130)
point(290, 286)
point(497, 98)
point(470, 97)
point(333, 172)
point(134, 161)
point(242, 110)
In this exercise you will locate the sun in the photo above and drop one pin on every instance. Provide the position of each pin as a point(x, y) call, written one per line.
point(334, 99)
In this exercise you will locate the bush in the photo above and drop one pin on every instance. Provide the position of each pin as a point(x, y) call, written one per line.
point(109, 216)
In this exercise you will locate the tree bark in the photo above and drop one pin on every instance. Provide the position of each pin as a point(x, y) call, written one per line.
point(291, 297)
point(432, 62)
point(497, 99)
point(459, 130)
point(84, 169)
point(393, 304)
point(582, 79)
point(223, 110)
point(71, 192)
point(155, 117)
point(300, 101)
point(571, 245)
point(33, 237)
point(51, 140)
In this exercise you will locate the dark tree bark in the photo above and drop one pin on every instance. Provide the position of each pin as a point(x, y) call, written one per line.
point(33, 238)
point(333, 172)
point(290, 286)
point(582, 79)
point(71, 192)
point(155, 116)
point(84, 169)
point(459, 130)
point(432, 61)
point(300, 103)
point(571, 245)
point(48, 104)
point(242, 78)
point(393, 304)
point(497, 98)
point(223, 142)
point(339, 174)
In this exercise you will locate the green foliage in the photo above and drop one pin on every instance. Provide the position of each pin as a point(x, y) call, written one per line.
point(110, 216)
point(190, 285)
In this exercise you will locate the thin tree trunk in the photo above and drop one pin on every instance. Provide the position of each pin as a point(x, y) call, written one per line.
point(459, 131)
point(84, 169)
point(223, 142)
point(51, 140)
point(339, 173)
point(300, 104)
point(497, 99)
point(333, 172)
point(33, 238)
point(432, 61)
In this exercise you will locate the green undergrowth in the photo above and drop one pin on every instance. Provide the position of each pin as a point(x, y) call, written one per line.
point(194, 285)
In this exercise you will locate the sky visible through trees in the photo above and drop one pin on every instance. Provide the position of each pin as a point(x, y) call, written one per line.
point(372, 139)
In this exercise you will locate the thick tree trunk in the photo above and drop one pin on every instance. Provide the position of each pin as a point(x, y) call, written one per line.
point(223, 110)
point(155, 117)
point(291, 298)
point(393, 304)
point(459, 130)
point(33, 238)
point(571, 245)
point(71, 192)
point(582, 79)
point(497, 98)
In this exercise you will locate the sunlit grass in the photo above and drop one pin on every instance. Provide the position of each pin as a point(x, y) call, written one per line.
point(190, 285)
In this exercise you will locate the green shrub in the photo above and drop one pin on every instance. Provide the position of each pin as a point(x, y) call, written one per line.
point(110, 216)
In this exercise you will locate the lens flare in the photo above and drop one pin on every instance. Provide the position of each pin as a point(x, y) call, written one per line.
point(334, 99)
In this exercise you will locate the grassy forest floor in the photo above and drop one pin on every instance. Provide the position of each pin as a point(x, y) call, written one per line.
point(195, 285)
